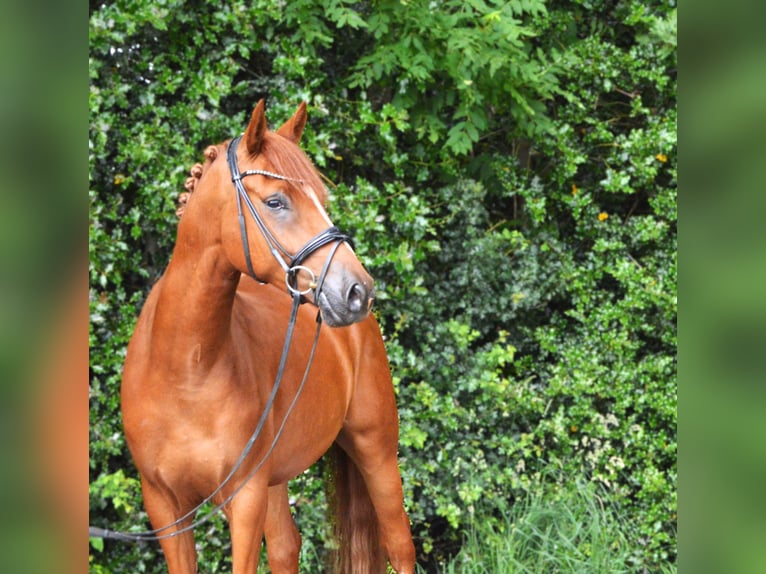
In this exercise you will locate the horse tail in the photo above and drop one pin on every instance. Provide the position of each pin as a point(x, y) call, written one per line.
point(357, 542)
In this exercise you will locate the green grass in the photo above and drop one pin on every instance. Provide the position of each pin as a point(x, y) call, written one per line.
point(572, 531)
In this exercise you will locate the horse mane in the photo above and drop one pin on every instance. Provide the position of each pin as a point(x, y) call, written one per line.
point(195, 173)
point(279, 151)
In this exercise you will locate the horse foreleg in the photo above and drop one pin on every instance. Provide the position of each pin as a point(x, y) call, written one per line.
point(247, 515)
point(283, 541)
point(163, 509)
point(375, 455)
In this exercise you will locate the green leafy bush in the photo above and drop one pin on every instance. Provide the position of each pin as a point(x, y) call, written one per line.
point(508, 171)
point(570, 529)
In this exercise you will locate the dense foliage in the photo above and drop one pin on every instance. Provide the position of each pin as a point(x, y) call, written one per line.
point(508, 170)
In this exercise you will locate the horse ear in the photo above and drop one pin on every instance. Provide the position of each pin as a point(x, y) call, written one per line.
point(293, 128)
point(256, 129)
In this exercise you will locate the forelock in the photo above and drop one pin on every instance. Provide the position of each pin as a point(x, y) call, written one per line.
point(287, 159)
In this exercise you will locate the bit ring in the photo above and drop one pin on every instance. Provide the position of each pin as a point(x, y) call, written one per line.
point(293, 273)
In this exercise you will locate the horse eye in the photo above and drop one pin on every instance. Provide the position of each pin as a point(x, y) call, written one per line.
point(275, 204)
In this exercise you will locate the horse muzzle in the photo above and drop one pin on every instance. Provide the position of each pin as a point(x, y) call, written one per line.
point(349, 301)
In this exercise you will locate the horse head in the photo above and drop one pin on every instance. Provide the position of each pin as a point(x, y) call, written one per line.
point(274, 226)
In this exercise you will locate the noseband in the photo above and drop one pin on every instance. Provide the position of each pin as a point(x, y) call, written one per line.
point(291, 268)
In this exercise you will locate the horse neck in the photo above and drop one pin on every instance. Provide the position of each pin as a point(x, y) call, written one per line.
point(193, 312)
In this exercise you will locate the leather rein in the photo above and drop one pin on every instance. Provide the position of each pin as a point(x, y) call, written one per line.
point(292, 265)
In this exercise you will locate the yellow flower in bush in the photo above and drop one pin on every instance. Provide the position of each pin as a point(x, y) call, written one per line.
point(603, 216)
point(661, 157)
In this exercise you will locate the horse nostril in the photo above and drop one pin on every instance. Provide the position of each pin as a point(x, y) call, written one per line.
point(356, 298)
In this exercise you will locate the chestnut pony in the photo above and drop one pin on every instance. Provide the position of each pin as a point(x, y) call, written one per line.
point(205, 355)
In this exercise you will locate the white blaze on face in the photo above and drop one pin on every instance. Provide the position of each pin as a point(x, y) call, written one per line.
point(321, 209)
